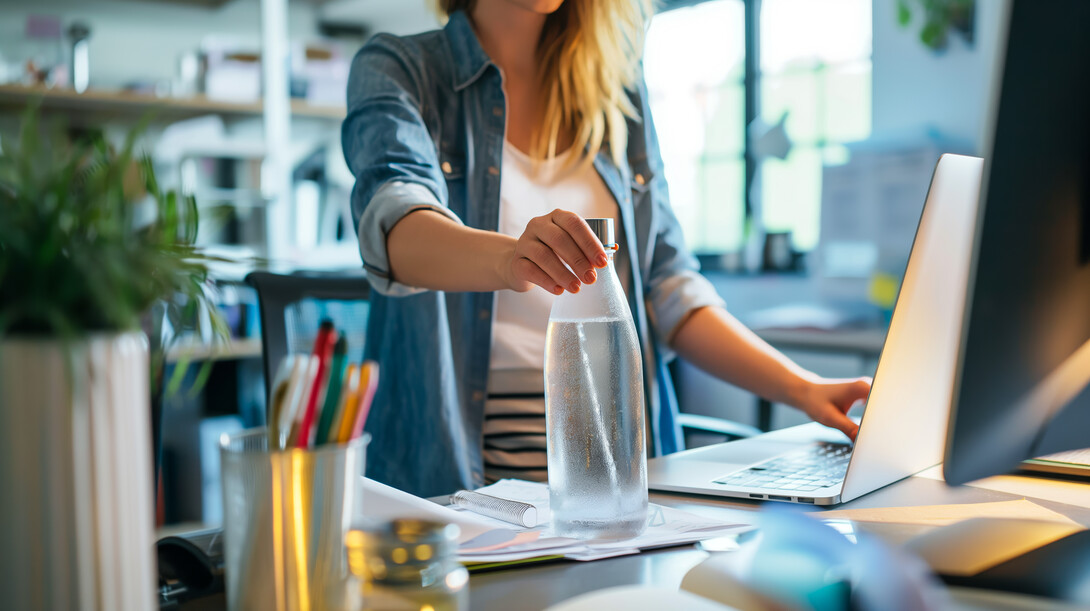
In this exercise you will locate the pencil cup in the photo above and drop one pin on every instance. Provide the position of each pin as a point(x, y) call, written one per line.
point(286, 513)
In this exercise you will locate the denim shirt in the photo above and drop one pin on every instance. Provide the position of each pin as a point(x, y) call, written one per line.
point(425, 130)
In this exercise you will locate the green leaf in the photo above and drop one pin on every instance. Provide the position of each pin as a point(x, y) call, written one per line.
point(72, 260)
point(933, 35)
point(904, 13)
point(177, 377)
point(202, 378)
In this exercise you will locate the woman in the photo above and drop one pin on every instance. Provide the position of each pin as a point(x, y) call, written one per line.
point(477, 151)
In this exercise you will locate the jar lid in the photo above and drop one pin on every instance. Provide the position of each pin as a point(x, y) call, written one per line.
point(603, 229)
point(404, 550)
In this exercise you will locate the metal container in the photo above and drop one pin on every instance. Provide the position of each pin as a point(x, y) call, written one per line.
point(407, 565)
point(286, 513)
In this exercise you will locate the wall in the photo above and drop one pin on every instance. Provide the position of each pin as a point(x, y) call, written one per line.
point(916, 88)
point(401, 17)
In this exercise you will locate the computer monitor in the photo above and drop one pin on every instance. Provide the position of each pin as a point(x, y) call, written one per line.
point(1021, 385)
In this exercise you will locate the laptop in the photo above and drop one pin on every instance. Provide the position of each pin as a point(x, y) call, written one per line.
point(903, 427)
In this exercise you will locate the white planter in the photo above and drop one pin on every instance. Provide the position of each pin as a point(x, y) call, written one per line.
point(76, 515)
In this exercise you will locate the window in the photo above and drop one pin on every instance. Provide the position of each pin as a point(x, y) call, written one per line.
point(814, 64)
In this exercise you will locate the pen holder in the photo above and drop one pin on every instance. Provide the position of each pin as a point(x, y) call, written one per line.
point(286, 513)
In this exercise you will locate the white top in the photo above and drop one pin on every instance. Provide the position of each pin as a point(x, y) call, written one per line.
point(520, 321)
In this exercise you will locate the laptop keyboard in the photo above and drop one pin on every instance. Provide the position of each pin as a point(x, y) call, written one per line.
point(803, 470)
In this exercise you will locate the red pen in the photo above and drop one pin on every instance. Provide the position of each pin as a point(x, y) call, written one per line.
point(323, 349)
point(368, 383)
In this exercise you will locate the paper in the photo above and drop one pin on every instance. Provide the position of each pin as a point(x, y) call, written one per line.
point(1056, 490)
point(942, 515)
point(1074, 457)
point(381, 502)
point(486, 540)
point(665, 526)
point(975, 545)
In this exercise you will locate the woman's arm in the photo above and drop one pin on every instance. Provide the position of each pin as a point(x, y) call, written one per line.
point(718, 343)
point(409, 239)
point(428, 250)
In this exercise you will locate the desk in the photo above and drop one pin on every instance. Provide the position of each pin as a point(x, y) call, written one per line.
point(866, 342)
point(536, 587)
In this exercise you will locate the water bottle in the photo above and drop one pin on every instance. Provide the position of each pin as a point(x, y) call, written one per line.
point(594, 409)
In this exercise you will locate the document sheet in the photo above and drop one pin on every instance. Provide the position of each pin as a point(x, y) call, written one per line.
point(488, 540)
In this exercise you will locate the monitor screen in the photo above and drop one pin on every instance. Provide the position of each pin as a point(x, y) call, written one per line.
point(1021, 384)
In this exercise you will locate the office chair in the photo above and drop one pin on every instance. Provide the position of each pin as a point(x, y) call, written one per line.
point(699, 423)
point(293, 305)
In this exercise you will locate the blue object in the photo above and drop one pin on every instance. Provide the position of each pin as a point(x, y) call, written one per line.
point(428, 112)
point(810, 565)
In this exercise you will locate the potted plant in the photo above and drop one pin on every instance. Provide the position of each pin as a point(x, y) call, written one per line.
point(88, 244)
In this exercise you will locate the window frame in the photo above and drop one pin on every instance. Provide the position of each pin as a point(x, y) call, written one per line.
point(751, 79)
point(752, 108)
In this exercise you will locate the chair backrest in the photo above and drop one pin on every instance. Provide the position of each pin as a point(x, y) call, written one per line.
point(293, 305)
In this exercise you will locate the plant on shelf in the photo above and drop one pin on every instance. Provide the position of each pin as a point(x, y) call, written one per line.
point(88, 240)
point(939, 17)
point(89, 243)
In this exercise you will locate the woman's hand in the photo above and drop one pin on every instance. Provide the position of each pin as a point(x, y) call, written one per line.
point(548, 243)
point(827, 401)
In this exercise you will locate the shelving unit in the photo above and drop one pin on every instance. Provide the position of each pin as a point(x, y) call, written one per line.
point(249, 164)
point(193, 350)
point(107, 102)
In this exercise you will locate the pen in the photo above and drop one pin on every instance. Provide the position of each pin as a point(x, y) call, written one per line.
point(348, 419)
point(343, 420)
point(323, 348)
point(294, 413)
point(333, 391)
point(277, 398)
point(368, 384)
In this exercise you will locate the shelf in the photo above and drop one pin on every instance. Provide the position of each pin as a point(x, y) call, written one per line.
point(193, 350)
point(114, 102)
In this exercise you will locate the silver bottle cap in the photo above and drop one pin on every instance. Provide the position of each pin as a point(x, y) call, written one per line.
point(603, 228)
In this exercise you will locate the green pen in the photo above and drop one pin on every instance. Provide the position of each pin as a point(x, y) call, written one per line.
point(333, 391)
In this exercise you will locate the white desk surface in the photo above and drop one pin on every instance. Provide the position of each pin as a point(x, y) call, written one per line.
point(539, 586)
point(536, 587)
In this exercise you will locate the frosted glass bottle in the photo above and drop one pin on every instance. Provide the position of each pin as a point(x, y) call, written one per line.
point(594, 409)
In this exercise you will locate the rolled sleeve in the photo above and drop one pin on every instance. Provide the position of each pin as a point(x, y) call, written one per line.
point(390, 151)
point(392, 202)
point(673, 299)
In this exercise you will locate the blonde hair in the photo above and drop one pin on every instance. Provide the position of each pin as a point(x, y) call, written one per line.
point(588, 54)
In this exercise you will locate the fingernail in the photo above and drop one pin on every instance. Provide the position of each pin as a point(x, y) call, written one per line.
point(574, 286)
point(601, 261)
point(590, 276)
point(558, 289)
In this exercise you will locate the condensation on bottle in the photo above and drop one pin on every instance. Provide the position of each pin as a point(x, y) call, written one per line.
point(595, 409)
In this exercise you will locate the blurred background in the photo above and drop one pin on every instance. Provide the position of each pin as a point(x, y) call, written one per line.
point(799, 137)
